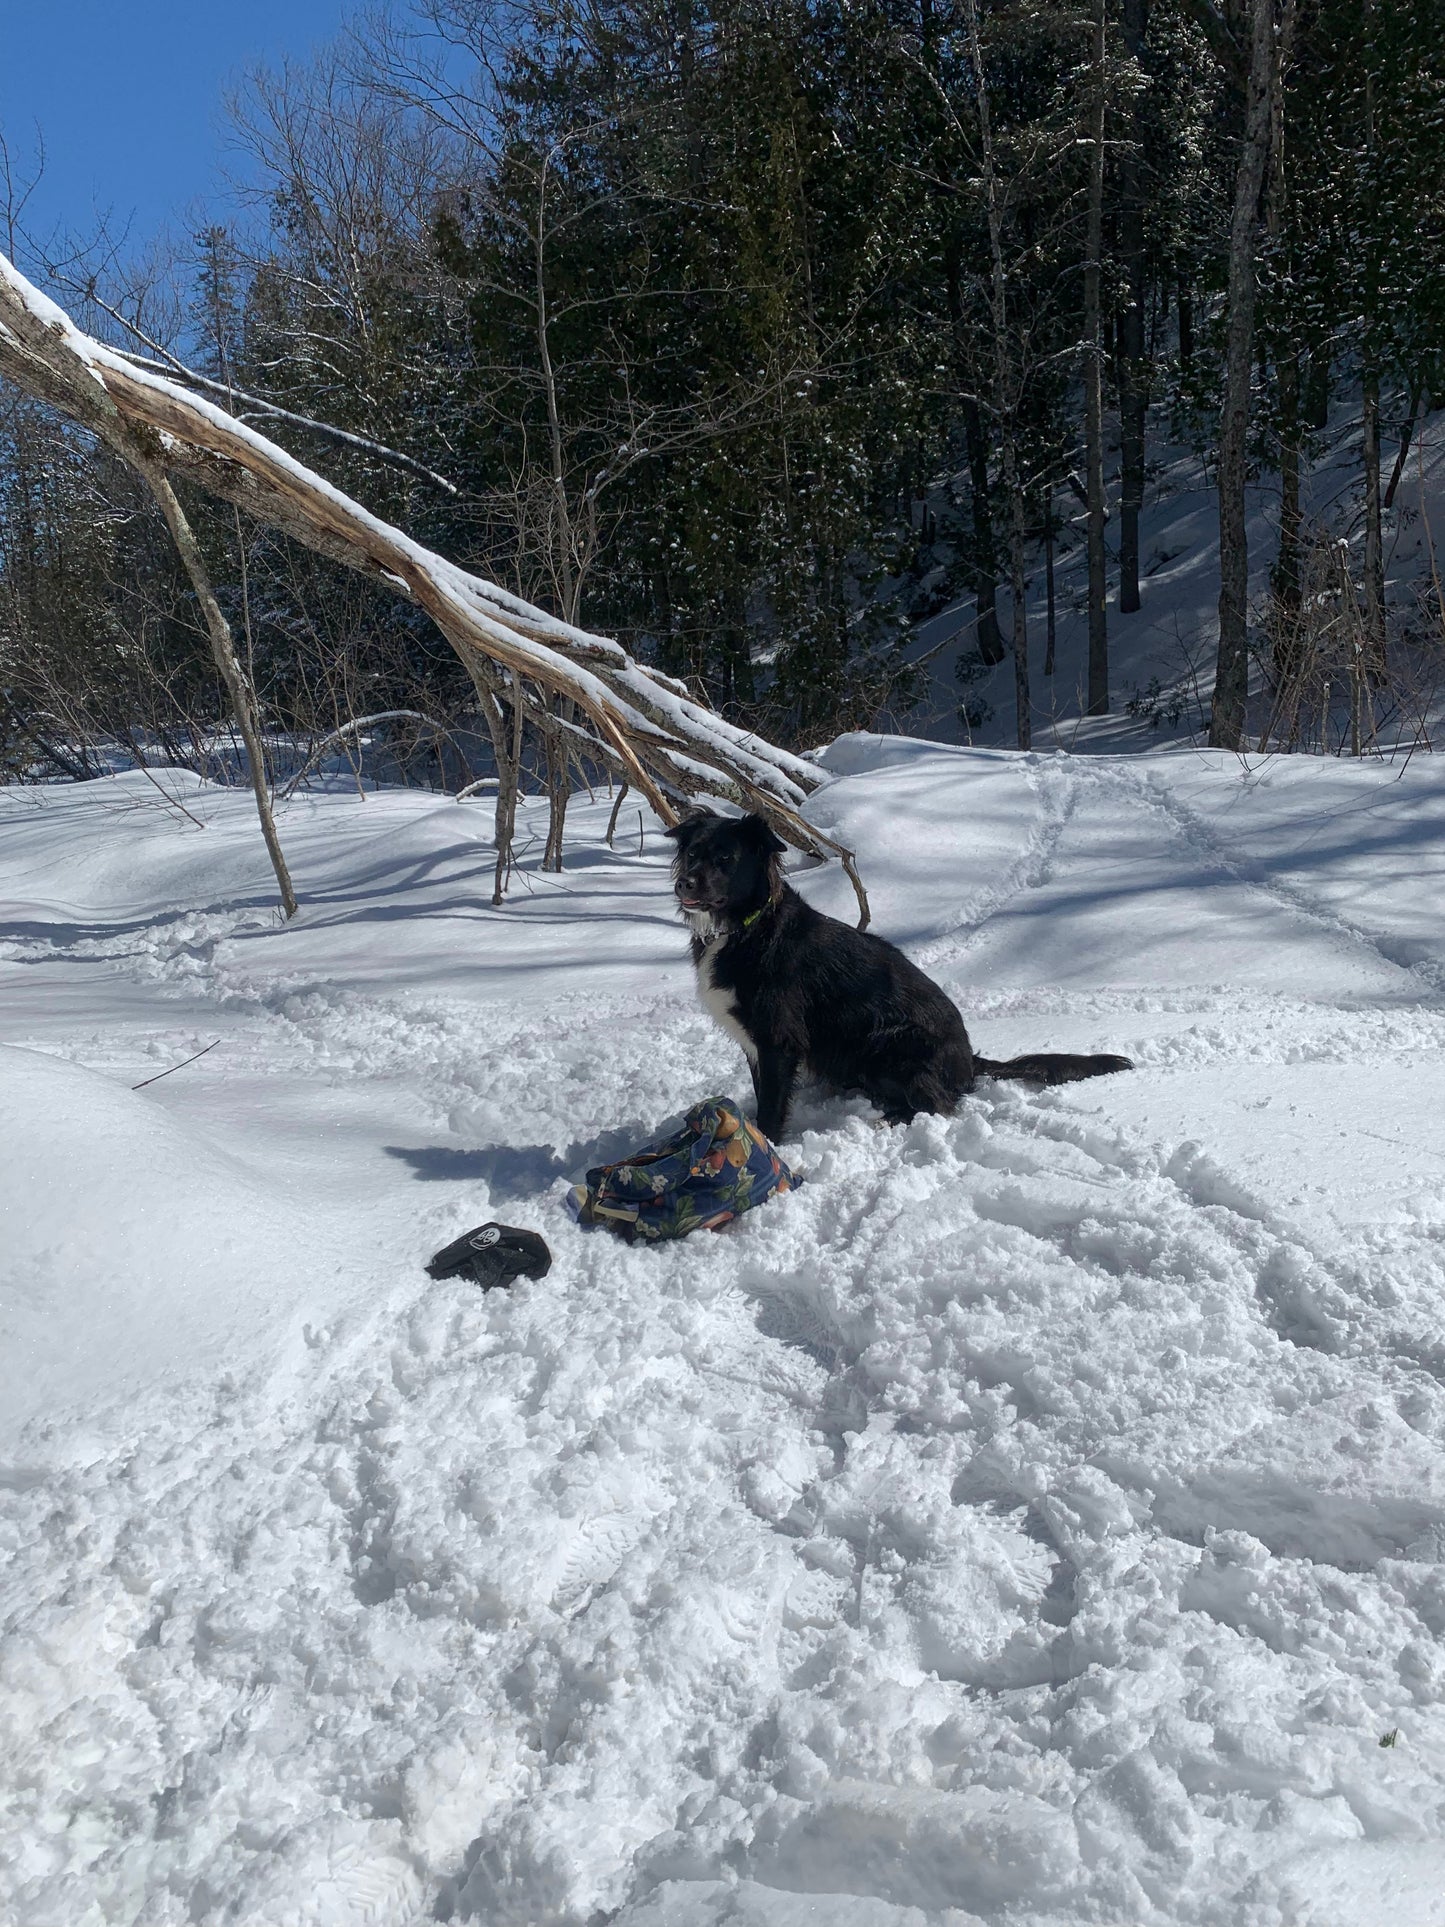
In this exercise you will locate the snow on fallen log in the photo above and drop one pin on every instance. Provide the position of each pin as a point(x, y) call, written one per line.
point(667, 744)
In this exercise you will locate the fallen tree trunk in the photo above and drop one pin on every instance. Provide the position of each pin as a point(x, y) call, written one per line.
point(663, 741)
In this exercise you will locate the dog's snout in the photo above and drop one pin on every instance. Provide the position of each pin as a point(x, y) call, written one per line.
point(689, 883)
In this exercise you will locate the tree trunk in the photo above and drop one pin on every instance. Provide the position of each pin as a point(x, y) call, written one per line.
point(1315, 389)
point(1286, 582)
point(507, 842)
point(1005, 395)
point(1407, 435)
point(1049, 580)
point(1285, 578)
point(981, 562)
point(1370, 414)
point(983, 568)
point(506, 735)
point(1019, 594)
point(224, 653)
point(1374, 530)
point(559, 767)
point(1231, 677)
point(1183, 301)
point(1098, 700)
point(564, 549)
point(1133, 367)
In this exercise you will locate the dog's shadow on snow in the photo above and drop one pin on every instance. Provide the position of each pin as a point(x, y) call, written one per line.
point(516, 1170)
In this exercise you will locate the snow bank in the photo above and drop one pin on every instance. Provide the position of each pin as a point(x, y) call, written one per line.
point(1037, 1518)
point(130, 1244)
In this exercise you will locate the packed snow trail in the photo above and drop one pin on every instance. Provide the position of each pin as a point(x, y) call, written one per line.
point(1037, 1518)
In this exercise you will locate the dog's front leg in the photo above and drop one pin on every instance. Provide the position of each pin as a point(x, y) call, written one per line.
point(776, 1073)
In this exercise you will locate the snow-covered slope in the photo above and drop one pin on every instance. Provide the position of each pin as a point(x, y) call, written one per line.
point(1037, 1518)
point(1168, 644)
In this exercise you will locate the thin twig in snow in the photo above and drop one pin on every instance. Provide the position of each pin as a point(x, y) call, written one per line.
point(174, 1067)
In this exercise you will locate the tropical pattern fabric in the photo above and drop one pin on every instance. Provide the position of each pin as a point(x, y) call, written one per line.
point(717, 1166)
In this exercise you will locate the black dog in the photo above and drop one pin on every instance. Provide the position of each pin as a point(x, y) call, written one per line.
point(801, 991)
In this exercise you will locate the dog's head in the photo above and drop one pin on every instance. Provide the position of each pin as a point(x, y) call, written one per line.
point(726, 866)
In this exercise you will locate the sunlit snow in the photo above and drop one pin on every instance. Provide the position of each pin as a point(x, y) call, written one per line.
point(1036, 1518)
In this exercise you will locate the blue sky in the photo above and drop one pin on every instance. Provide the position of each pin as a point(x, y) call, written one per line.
point(127, 94)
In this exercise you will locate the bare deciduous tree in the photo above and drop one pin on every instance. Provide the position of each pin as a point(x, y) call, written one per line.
point(1231, 678)
point(1094, 378)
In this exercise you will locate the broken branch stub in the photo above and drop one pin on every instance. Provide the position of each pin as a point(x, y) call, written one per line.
point(662, 740)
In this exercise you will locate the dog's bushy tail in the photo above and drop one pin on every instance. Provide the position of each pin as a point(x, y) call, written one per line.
point(1051, 1067)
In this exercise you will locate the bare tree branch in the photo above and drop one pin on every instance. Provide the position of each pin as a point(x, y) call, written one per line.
point(393, 457)
point(350, 729)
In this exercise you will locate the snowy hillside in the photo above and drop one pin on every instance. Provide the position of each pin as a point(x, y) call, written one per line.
point(1162, 656)
point(1037, 1518)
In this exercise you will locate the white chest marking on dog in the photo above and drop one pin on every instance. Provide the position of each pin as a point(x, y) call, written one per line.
point(716, 1001)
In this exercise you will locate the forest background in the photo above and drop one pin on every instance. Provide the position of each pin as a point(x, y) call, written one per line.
point(759, 335)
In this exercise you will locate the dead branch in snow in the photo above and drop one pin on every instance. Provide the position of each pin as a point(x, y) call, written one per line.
point(354, 727)
point(648, 726)
point(176, 1067)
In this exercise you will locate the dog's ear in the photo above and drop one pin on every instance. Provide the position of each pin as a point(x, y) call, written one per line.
point(761, 834)
point(688, 826)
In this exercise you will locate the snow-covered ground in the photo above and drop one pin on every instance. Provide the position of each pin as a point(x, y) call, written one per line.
point(1037, 1518)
